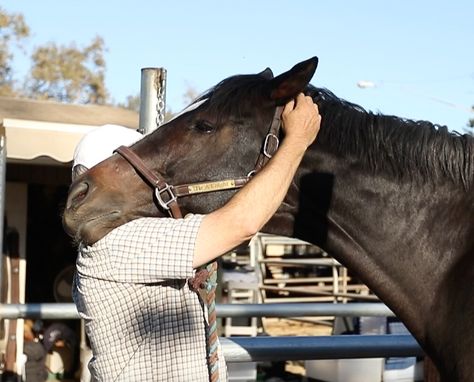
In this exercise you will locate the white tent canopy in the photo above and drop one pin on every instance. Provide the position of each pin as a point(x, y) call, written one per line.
point(30, 140)
point(45, 132)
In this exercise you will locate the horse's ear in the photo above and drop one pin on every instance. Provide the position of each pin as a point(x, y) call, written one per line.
point(287, 85)
point(267, 74)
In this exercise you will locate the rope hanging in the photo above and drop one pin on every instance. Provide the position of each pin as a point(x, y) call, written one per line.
point(205, 281)
point(212, 339)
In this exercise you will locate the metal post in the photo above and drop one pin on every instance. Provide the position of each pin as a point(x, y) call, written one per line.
point(3, 168)
point(152, 99)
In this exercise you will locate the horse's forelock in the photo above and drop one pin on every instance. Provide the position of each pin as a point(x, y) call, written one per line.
point(235, 96)
point(194, 105)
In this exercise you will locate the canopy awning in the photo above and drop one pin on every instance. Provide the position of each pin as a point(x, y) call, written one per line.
point(46, 132)
point(31, 140)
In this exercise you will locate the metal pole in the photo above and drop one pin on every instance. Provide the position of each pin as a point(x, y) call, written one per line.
point(3, 170)
point(251, 349)
point(303, 310)
point(47, 311)
point(68, 311)
point(246, 349)
point(152, 99)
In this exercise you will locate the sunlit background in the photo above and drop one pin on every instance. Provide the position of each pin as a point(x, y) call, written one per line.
point(413, 59)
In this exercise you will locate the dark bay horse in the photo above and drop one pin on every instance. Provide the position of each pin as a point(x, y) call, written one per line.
point(391, 199)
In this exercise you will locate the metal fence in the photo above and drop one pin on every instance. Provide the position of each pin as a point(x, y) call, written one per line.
point(244, 349)
point(52, 311)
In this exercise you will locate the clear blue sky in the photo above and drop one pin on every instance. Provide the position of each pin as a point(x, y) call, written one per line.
point(419, 53)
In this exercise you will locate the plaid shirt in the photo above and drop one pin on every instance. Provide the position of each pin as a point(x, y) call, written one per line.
point(143, 321)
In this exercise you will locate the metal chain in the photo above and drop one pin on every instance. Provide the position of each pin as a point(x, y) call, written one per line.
point(161, 103)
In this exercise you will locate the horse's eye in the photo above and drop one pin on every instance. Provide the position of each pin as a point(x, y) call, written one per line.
point(205, 126)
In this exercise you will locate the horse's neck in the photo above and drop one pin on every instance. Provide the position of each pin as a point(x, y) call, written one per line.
point(410, 241)
point(392, 235)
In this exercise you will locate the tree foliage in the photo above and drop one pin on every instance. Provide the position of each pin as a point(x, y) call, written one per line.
point(131, 103)
point(13, 30)
point(68, 73)
point(190, 95)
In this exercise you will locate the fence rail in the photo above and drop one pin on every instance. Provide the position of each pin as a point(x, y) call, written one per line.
point(246, 349)
point(282, 348)
point(68, 310)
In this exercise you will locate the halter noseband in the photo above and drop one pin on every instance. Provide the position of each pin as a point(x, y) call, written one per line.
point(167, 195)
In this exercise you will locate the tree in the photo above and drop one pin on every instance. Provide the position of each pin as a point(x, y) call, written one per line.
point(190, 95)
point(131, 103)
point(12, 29)
point(69, 74)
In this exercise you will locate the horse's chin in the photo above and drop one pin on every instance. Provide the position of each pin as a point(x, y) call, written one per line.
point(93, 229)
point(91, 233)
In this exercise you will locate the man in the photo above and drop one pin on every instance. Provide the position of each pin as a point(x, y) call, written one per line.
point(143, 320)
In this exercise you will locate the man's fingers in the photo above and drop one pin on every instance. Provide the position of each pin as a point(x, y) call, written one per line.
point(290, 105)
point(299, 100)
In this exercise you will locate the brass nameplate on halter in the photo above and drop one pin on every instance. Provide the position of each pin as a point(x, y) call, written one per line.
point(211, 186)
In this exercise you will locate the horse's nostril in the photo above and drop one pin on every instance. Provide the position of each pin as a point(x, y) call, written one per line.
point(77, 194)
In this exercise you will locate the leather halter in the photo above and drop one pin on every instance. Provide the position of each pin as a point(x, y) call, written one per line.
point(167, 195)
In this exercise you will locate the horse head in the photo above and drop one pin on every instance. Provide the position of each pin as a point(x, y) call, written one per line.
point(220, 135)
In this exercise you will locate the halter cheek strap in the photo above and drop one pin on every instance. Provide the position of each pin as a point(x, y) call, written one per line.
point(166, 194)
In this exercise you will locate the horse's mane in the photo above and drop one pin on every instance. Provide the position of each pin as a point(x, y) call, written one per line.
point(395, 145)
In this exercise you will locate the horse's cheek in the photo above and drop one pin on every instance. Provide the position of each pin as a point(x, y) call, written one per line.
point(225, 138)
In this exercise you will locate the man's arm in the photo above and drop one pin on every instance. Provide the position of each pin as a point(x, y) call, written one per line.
point(251, 208)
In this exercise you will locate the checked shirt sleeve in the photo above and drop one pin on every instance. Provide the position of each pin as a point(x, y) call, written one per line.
point(148, 250)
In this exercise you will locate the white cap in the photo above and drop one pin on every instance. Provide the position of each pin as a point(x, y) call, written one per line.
point(100, 143)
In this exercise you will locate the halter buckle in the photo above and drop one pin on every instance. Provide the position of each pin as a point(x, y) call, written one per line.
point(171, 196)
point(266, 145)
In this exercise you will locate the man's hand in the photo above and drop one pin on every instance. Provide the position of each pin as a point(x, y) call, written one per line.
point(250, 208)
point(301, 120)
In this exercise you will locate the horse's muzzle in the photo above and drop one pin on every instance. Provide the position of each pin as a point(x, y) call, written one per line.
point(77, 194)
point(76, 197)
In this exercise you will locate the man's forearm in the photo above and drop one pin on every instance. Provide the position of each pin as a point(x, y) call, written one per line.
point(248, 211)
point(260, 199)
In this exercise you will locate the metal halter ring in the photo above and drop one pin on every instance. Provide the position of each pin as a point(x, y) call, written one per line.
point(266, 145)
point(251, 173)
point(169, 191)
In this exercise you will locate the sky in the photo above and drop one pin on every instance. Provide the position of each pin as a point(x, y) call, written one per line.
point(416, 55)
